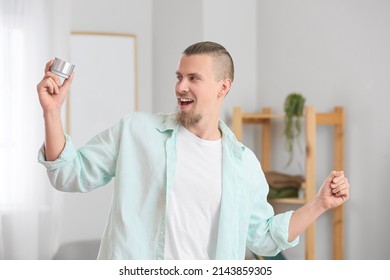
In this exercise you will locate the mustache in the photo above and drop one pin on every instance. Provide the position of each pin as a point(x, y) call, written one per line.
point(185, 95)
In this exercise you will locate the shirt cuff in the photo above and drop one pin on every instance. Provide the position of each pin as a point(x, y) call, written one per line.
point(67, 155)
point(280, 226)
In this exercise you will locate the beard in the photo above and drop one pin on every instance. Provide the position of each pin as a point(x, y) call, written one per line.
point(188, 119)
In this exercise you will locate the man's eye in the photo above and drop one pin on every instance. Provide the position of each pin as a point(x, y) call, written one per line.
point(194, 78)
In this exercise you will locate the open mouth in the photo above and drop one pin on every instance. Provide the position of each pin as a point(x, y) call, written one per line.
point(184, 101)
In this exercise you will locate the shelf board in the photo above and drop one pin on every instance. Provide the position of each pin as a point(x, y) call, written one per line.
point(256, 117)
point(262, 116)
point(290, 200)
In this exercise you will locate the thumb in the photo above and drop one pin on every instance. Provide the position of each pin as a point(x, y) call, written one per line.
point(67, 82)
point(336, 173)
point(332, 175)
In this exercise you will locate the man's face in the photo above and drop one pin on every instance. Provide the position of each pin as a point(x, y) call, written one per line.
point(197, 90)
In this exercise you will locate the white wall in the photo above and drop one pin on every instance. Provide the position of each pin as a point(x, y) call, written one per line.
point(333, 52)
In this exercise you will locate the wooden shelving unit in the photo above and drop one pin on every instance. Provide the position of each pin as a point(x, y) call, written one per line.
point(312, 120)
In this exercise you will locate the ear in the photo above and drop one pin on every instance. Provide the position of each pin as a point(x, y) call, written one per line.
point(225, 87)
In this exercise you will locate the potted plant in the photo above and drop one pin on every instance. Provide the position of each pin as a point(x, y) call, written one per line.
point(294, 105)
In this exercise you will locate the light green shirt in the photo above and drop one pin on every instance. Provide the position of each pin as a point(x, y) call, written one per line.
point(140, 152)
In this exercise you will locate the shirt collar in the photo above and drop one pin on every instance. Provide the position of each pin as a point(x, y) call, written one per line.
point(168, 123)
point(230, 139)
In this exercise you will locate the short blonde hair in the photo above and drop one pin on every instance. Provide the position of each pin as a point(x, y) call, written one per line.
point(223, 61)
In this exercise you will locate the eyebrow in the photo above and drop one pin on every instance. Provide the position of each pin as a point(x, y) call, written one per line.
point(190, 74)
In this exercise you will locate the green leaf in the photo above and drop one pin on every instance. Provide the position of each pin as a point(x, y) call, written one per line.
point(294, 105)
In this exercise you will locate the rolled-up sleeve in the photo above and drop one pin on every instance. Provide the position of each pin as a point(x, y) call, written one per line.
point(279, 230)
point(66, 156)
point(86, 168)
point(269, 237)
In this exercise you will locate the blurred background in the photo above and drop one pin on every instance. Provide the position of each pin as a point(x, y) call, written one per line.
point(335, 53)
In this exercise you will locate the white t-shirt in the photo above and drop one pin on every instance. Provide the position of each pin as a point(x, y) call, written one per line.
point(193, 212)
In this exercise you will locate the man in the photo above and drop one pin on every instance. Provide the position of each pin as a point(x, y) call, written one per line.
point(184, 187)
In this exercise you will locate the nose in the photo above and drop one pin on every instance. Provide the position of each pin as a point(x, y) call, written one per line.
point(182, 86)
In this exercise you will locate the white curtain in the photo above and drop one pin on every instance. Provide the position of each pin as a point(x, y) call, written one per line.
point(29, 207)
